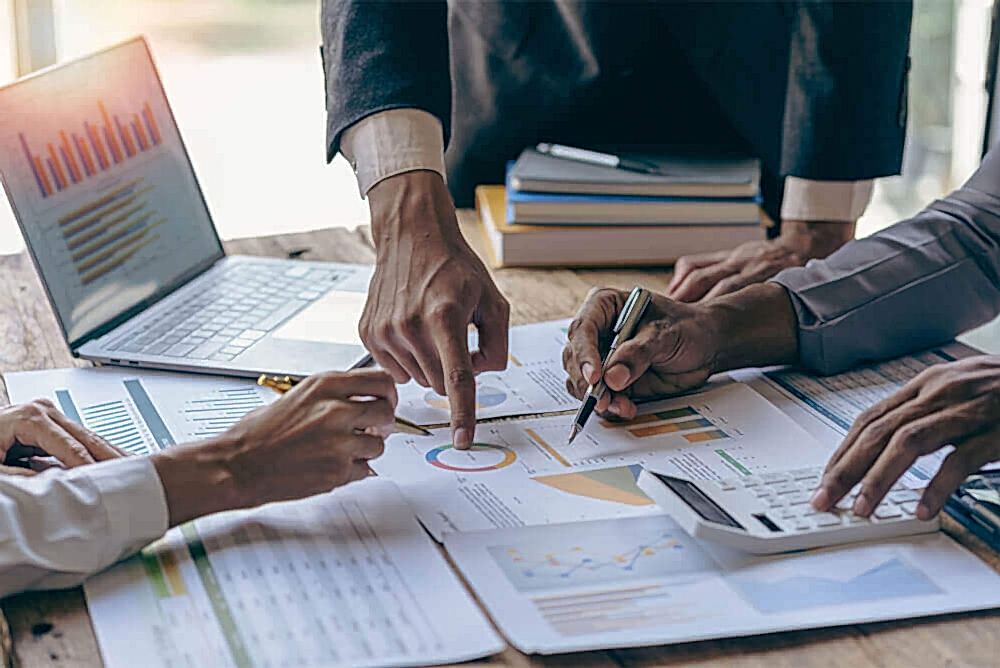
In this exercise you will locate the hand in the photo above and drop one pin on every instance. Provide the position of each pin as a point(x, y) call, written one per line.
point(669, 352)
point(429, 286)
point(318, 436)
point(677, 346)
point(949, 404)
point(38, 429)
point(714, 274)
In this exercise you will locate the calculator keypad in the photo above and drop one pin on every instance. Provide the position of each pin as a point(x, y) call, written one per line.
point(786, 496)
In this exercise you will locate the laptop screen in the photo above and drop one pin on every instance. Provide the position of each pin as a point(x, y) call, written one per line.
point(102, 186)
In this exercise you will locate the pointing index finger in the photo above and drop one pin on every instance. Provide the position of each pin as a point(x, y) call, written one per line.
point(460, 383)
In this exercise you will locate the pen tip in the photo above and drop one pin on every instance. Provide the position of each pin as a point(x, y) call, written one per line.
point(572, 434)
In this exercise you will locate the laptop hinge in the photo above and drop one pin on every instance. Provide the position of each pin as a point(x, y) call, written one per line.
point(124, 317)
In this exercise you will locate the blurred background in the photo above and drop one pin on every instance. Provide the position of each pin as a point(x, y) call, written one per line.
point(245, 81)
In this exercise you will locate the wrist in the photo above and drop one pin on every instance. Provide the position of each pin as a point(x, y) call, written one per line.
point(816, 239)
point(410, 208)
point(755, 326)
point(197, 479)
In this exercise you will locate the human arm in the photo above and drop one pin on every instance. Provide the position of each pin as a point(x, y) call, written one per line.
point(953, 404)
point(63, 525)
point(429, 285)
point(913, 285)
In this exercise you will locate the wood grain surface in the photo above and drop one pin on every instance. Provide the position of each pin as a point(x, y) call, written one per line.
point(53, 628)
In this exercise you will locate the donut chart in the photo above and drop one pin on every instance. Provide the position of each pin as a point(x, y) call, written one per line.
point(443, 457)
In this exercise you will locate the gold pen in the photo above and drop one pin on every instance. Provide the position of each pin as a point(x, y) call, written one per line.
point(283, 384)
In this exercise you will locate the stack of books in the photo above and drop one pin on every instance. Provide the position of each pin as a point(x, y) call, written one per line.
point(560, 212)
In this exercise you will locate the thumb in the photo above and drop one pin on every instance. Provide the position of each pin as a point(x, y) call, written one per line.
point(632, 359)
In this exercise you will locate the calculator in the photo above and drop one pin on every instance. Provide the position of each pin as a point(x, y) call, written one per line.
point(770, 513)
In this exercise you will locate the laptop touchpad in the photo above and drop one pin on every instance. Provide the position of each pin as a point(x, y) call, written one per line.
point(333, 318)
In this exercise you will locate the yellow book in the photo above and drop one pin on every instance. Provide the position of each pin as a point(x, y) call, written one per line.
point(520, 245)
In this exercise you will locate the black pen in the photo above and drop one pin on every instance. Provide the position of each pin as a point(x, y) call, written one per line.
point(628, 320)
point(597, 158)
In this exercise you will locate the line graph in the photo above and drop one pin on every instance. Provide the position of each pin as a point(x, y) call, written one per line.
point(557, 564)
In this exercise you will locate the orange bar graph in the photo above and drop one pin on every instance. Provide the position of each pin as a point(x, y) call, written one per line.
point(71, 162)
point(60, 174)
point(42, 175)
point(154, 129)
point(109, 134)
point(139, 134)
point(669, 427)
point(85, 156)
point(70, 158)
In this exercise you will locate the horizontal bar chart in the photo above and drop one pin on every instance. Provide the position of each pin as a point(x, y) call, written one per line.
point(70, 158)
point(670, 427)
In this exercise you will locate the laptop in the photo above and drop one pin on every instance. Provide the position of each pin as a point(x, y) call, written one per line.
point(105, 194)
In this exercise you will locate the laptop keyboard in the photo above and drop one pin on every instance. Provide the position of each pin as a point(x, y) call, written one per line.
point(244, 302)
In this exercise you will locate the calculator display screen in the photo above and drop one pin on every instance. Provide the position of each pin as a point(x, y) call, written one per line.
point(708, 509)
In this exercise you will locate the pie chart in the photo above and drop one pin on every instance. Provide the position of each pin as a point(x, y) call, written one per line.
point(487, 396)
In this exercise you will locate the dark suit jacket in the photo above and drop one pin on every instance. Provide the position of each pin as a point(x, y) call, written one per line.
point(815, 89)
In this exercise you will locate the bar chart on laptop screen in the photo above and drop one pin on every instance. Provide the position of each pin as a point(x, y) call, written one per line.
point(96, 171)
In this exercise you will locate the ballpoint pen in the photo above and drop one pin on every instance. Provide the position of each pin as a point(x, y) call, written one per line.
point(635, 307)
point(598, 158)
point(283, 384)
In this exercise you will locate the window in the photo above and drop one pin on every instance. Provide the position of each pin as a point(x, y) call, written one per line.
point(8, 47)
point(246, 85)
point(947, 109)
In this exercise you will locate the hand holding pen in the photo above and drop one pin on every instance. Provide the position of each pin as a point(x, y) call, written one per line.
point(624, 327)
point(674, 347)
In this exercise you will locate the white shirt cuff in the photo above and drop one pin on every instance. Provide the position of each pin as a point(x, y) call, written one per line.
point(393, 142)
point(838, 201)
point(133, 498)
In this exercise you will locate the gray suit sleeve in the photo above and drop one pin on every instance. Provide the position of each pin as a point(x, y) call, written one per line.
point(914, 285)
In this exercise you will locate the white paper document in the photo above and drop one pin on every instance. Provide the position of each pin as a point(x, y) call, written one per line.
point(534, 381)
point(143, 411)
point(521, 472)
point(643, 581)
point(342, 579)
point(827, 406)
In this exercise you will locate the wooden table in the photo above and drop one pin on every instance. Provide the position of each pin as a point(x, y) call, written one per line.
point(54, 628)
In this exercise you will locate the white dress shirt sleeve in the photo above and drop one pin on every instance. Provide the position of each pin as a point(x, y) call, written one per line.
point(60, 526)
point(393, 142)
point(832, 201)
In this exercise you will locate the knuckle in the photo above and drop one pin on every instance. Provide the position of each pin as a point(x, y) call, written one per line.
point(443, 313)
point(45, 404)
point(409, 323)
point(840, 478)
point(460, 376)
point(33, 411)
point(907, 439)
point(383, 331)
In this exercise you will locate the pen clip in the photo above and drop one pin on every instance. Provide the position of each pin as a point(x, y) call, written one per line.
point(629, 304)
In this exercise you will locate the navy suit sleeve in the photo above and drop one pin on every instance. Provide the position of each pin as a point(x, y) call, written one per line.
point(380, 55)
point(845, 105)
